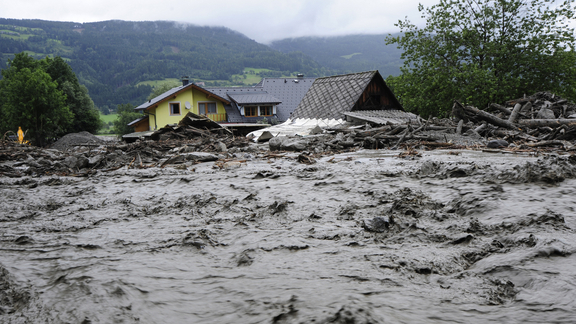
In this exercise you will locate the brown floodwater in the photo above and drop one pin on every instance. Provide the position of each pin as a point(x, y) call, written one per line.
point(364, 237)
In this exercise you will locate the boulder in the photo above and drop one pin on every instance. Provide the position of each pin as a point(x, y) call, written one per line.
point(294, 145)
point(499, 143)
point(545, 113)
point(275, 143)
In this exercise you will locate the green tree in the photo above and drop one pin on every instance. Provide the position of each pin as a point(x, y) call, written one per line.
point(483, 51)
point(126, 114)
point(86, 116)
point(32, 100)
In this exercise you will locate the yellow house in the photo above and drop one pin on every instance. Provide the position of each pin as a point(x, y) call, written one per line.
point(171, 106)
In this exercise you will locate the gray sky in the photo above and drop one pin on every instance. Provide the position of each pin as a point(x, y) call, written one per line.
point(261, 20)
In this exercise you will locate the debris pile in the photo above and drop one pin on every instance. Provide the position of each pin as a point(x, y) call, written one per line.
point(540, 120)
point(195, 139)
point(72, 140)
point(191, 126)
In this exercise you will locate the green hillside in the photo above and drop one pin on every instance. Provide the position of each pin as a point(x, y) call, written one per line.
point(344, 54)
point(115, 59)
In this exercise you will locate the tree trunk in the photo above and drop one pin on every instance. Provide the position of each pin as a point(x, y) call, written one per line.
point(547, 122)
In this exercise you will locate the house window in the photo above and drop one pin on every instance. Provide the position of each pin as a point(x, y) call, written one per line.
point(174, 108)
point(251, 111)
point(205, 108)
point(265, 110)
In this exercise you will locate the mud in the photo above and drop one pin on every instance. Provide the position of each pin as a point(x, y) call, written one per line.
point(361, 237)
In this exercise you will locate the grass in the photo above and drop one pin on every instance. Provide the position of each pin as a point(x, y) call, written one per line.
point(108, 118)
point(350, 55)
point(247, 78)
point(19, 37)
point(155, 83)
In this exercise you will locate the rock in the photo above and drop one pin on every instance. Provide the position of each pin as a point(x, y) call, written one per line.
point(499, 143)
point(200, 156)
point(545, 113)
point(220, 147)
point(275, 143)
point(294, 145)
point(95, 160)
point(377, 224)
point(76, 162)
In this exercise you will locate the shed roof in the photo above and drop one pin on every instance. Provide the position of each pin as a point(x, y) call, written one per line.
point(331, 97)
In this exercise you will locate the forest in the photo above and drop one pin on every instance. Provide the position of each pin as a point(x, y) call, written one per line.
point(111, 58)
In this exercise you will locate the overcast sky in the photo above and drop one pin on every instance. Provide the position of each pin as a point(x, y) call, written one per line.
point(261, 20)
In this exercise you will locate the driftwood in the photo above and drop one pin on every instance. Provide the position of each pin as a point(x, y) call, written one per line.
point(501, 108)
point(547, 122)
point(459, 127)
point(458, 108)
point(514, 114)
point(567, 145)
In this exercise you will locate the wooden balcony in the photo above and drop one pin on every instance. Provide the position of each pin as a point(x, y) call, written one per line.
point(217, 117)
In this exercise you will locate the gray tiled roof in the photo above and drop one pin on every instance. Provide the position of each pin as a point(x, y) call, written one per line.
point(233, 114)
point(330, 97)
point(289, 90)
point(253, 98)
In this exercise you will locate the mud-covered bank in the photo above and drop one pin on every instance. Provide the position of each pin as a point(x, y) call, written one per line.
point(363, 237)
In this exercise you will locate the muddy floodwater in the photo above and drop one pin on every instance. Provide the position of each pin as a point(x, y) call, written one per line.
point(364, 237)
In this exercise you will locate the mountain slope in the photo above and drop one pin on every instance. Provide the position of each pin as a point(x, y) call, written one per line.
point(111, 57)
point(353, 53)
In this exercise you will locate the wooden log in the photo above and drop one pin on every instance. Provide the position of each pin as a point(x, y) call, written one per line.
point(459, 127)
point(501, 108)
point(567, 145)
point(514, 114)
point(480, 114)
point(553, 123)
point(524, 136)
point(436, 144)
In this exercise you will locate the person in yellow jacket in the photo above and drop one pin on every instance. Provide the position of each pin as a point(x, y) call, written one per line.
point(21, 139)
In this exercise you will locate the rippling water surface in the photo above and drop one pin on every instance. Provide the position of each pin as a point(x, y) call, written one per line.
point(467, 238)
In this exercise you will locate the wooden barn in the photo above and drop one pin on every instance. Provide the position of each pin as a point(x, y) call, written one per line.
point(352, 96)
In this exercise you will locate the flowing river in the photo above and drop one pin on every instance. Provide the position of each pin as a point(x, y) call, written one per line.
point(365, 237)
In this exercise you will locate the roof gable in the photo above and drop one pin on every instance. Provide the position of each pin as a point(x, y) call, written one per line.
point(331, 97)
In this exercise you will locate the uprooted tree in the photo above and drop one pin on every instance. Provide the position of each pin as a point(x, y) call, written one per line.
point(484, 51)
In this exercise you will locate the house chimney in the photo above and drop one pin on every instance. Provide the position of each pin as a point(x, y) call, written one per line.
point(185, 80)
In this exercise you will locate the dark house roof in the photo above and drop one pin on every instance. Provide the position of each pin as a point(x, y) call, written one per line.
point(285, 93)
point(253, 98)
point(290, 91)
point(331, 97)
point(175, 91)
